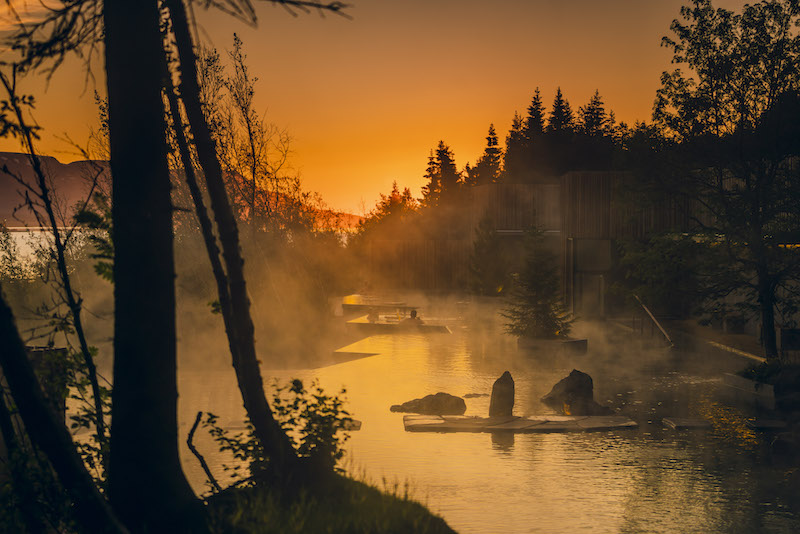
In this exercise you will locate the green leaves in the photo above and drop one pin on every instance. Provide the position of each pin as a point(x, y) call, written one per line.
point(535, 308)
point(96, 217)
point(315, 422)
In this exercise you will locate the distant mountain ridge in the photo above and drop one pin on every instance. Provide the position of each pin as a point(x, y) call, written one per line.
point(70, 182)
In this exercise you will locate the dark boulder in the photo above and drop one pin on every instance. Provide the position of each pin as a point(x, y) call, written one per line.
point(439, 404)
point(574, 395)
point(502, 401)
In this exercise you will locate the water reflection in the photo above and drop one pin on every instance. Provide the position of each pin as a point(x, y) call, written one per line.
point(722, 479)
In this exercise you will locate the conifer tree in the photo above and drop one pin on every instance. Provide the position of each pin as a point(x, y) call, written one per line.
point(534, 122)
point(442, 175)
point(487, 169)
point(514, 162)
point(535, 307)
point(593, 118)
point(561, 117)
point(449, 177)
point(432, 189)
point(536, 152)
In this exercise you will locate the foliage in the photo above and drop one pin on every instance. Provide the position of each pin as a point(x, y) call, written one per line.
point(487, 169)
point(255, 154)
point(442, 175)
point(342, 505)
point(665, 271)
point(561, 119)
point(315, 422)
point(97, 219)
point(33, 498)
point(11, 268)
point(732, 118)
point(391, 213)
point(535, 308)
point(515, 161)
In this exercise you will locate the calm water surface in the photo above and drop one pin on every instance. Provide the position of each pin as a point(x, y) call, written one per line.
point(646, 480)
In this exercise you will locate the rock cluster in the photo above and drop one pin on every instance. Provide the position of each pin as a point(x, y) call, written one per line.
point(574, 395)
point(502, 401)
point(438, 404)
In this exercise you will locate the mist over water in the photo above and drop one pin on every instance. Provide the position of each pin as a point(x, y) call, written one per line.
point(649, 479)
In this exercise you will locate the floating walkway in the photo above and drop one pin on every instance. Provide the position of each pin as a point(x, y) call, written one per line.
point(384, 326)
point(534, 423)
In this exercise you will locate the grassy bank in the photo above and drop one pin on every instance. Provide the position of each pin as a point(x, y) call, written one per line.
point(343, 505)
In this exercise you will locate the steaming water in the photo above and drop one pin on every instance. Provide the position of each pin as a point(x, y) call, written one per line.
point(646, 480)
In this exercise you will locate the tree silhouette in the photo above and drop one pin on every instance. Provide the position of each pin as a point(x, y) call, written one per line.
point(147, 487)
point(535, 120)
point(488, 167)
point(515, 161)
point(535, 307)
point(594, 122)
point(733, 114)
point(594, 142)
point(561, 118)
point(442, 175)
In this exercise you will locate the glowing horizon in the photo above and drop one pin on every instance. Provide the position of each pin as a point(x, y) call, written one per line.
point(365, 99)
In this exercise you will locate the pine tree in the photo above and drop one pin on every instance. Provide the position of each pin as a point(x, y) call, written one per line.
point(534, 122)
point(442, 175)
point(536, 150)
point(561, 117)
point(431, 190)
point(562, 152)
point(535, 307)
point(487, 169)
point(594, 121)
point(449, 177)
point(514, 162)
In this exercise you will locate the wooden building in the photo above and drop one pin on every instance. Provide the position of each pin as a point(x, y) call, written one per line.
point(582, 214)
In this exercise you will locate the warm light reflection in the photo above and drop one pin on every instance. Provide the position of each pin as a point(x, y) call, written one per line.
point(652, 479)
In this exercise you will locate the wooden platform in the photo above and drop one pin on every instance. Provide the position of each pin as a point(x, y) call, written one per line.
point(384, 326)
point(535, 423)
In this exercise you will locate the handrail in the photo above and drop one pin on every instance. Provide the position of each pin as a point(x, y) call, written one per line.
point(655, 321)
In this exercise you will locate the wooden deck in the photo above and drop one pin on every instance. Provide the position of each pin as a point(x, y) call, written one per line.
point(390, 325)
point(535, 423)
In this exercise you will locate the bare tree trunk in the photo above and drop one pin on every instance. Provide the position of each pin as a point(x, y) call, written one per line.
point(48, 433)
point(766, 301)
point(283, 459)
point(73, 301)
point(147, 486)
point(206, 228)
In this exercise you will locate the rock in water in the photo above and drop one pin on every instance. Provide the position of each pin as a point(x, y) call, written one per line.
point(574, 395)
point(439, 404)
point(502, 402)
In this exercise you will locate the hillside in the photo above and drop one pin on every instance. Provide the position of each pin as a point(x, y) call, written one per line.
point(71, 183)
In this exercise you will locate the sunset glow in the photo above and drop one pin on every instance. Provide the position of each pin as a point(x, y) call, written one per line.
point(365, 99)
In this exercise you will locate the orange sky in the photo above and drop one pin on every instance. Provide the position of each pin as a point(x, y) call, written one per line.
point(366, 99)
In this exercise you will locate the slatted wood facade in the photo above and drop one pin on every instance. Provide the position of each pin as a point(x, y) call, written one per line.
point(424, 264)
point(582, 206)
point(517, 206)
point(594, 208)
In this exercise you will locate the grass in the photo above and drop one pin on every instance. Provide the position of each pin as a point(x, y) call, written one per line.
point(341, 506)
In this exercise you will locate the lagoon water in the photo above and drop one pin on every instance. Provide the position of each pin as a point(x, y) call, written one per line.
point(649, 479)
